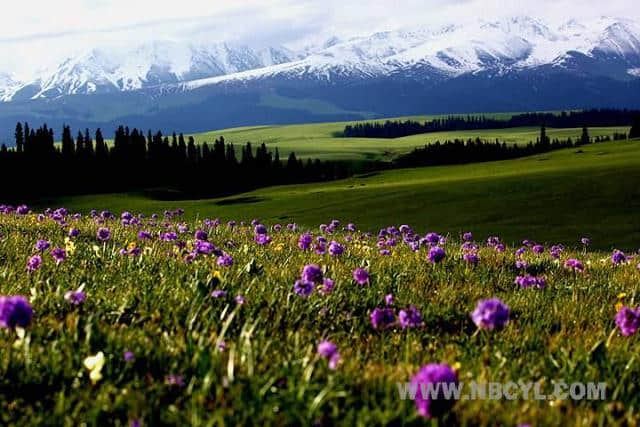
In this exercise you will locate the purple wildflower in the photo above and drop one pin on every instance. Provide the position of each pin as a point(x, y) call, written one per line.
point(628, 320)
point(240, 300)
point(432, 379)
point(74, 232)
point(34, 263)
point(201, 235)
point(42, 245)
point(75, 297)
point(103, 234)
point(410, 318)
point(312, 273)
point(335, 248)
point(537, 249)
point(262, 239)
point(329, 351)
point(528, 281)
point(219, 293)
point(490, 314)
point(225, 260)
point(361, 276)
point(260, 229)
point(303, 288)
point(436, 254)
point(304, 242)
point(471, 258)
point(574, 264)
point(388, 299)
point(59, 255)
point(129, 356)
point(327, 286)
point(618, 257)
point(382, 318)
point(15, 311)
point(467, 237)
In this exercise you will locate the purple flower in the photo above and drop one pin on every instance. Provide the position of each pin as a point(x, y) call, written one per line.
point(22, 210)
point(201, 235)
point(470, 258)
point(528, 281)
point(500, 247)
point(42, 245)
point(618, 257)
point(240, 300)
point(410, 318)
point(203, 247)
point(74, 232)
point(75, 297)
point(361, 276)
point(585, 241)
point(327, 286)
point(219, 293)
point(260, 229)
point(382, 318)
point(225, 260)
point(329, 351)
point(431, 399)
point(628, 320)
point(433, 238)
point(490, 314)
point(335, 248)
point(436, 254)
point(58, 255)
point(304, 242)
point(303, 288)
point(169, 236)
point(385, 252)
point(34, 263)
point(15, 311)
point(103, 234)
point(493, 241)
point(537, 249)
point(262, 239)
point(573, 264)
point(312, 273)
point(388, 299)
point(144, 235)
point(467, 237)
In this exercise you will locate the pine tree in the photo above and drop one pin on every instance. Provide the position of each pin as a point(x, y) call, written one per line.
point(584, 138)
point(634, 132)
point(19, 138)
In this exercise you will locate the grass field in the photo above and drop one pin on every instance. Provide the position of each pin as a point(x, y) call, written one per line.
point(554, 197)
point(119, 328)
point(320, 140)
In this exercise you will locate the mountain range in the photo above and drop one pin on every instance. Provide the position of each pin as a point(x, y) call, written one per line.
point(513, 64)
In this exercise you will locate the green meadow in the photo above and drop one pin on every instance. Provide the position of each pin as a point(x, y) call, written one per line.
point(554, 197)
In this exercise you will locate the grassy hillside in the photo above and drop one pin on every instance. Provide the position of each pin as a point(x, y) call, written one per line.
point(554, 197)
point(322, 141)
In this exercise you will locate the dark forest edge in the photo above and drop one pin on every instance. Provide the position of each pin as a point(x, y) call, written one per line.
point(172, 168)
point(564, 119)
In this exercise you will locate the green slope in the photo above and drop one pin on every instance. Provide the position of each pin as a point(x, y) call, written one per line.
point(555, 197)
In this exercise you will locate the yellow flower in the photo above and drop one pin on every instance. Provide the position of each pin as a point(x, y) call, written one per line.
point(622, 295)
point(94, 364)
point(69, 246)
point(619, 306)
point(215, 274)
point(131, 246)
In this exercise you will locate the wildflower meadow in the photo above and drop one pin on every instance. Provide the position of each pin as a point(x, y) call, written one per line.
point(132, 320)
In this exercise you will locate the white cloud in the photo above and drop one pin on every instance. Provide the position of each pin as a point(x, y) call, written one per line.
point(45, 30)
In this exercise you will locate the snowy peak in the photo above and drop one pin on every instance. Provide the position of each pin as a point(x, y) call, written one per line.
point(109, 69)
point(442, 52)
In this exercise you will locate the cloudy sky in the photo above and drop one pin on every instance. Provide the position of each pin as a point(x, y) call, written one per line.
point(48, 29)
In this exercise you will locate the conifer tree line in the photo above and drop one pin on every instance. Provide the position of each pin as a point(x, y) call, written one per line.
point(85, 164)
point(571, 119)
point(475, 150)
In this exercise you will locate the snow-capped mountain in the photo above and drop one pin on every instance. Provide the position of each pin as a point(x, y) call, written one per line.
point(107, 70)
point(509, 45)
point(514, 64)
